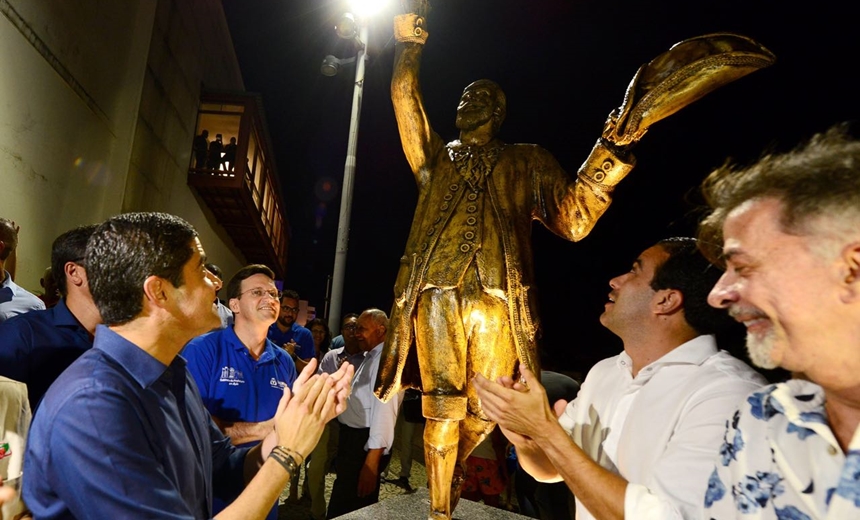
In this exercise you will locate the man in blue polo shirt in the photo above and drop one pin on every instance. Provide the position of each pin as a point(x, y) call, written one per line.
point(240, 373)
point(295, 339)
point(35, 347)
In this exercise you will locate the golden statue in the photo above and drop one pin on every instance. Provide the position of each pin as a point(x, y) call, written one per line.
point(464, 301)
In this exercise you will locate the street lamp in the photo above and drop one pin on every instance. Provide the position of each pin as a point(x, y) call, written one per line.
point(347, 28)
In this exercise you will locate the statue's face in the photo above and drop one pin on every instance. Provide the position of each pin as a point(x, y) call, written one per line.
point(477, 106)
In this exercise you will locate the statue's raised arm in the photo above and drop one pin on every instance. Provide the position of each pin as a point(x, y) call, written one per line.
point(464, 296)
point(416, 135)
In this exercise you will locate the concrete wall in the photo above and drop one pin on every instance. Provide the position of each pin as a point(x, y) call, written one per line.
point(191, 49)
point(98, 102)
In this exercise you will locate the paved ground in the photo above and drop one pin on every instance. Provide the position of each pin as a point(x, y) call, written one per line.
point(300, 509)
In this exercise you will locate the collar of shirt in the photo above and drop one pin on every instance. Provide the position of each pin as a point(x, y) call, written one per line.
point(802, 403)
point(144, 368)
point(63, 317)
point(267, 355)
point(693, 352)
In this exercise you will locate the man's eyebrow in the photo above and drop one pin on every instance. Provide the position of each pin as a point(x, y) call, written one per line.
point(732, 252)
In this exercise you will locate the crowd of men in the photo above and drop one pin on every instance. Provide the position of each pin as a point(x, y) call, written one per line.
point(146, 402)
point(152, 397)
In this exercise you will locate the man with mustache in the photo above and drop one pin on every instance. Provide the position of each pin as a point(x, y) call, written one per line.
point(241, 374)
point(788, 229)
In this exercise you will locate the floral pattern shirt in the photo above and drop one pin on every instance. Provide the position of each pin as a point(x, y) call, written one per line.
point(780, 460)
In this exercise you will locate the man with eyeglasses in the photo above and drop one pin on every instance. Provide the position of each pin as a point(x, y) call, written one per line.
point(320, 460)
point(295, 339)
point(241, 374)
point(366, 426)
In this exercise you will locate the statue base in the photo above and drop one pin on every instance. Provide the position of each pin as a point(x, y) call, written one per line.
point(416, 506)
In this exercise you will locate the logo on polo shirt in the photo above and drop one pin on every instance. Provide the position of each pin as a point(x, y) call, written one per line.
point(277, 384)
point(231, 376)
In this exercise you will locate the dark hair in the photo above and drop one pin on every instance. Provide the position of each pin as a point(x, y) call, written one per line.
point(689, 272)
point(819, 177)
point(127, 249)
point(214, 269)
point(289, 293)
point(9, 236)
point(348, 316)
point(234, 288)
point(71, 246)
point(326, 343)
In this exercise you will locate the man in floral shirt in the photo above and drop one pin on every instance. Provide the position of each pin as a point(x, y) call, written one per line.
point(789, 227)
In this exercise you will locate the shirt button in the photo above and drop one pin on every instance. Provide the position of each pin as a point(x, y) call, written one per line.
point(831, 450)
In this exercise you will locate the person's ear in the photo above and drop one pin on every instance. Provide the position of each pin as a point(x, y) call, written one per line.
point(74, 274)
point(233, 304)
point(668, 301)
point(851, 272)
point(156, 290)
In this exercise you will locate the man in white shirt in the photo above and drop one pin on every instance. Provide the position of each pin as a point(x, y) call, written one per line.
point(788, 228)
point(326, 450)
point(366, 427)
point(638, 439)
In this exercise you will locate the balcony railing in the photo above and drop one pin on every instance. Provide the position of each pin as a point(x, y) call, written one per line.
point(238, 180)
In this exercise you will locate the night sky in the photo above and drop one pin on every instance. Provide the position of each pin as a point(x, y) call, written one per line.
point(564, 66)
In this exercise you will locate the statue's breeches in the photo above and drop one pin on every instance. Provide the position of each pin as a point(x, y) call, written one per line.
point(460, 332)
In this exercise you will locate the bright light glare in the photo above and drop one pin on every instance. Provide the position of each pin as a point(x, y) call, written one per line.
point(367, 8)
point(477, 318)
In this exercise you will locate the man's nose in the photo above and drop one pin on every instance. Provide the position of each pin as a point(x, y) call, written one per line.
point(724, 293)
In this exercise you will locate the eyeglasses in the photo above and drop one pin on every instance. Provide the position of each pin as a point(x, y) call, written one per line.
point(294, 310)
point(259, 292)
point(350, 326)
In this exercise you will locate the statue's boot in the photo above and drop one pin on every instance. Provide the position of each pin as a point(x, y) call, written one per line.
point(457, 483)
point(440, 453)
point(473, 430)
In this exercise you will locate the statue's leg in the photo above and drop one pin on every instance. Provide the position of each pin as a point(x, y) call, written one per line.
point(491, 353)
point(473, 430)
point(441, 348)
point(440, 455)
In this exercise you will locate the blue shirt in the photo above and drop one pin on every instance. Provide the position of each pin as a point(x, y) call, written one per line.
point(336, 343)
point(35, 347)
point(233, 385)
point(120, 435)
point(302, 336)
point(15, 300)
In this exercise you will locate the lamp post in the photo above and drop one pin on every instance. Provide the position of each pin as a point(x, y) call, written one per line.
point(347, 29)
